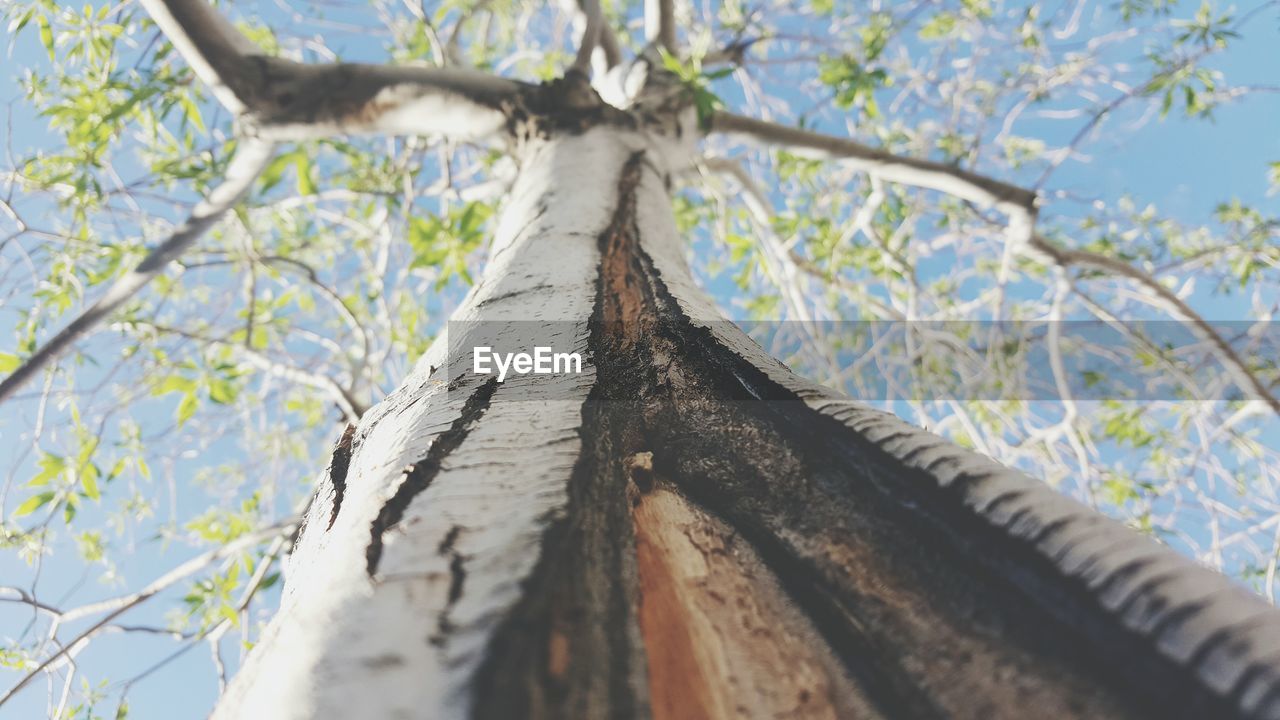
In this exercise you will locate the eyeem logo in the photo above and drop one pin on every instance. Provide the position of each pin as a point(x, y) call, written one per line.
point(541, 362)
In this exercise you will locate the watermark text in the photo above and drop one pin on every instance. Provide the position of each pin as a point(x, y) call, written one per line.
point(484, 361)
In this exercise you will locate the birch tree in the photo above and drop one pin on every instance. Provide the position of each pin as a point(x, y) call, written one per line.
point(687, 527)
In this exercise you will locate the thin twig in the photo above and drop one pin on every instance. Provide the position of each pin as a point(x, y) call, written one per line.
point(120, 605)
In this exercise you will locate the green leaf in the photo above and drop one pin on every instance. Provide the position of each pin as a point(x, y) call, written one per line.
point(174, 383)
point(33, 503)
point(229, 614)
point(302, 166)
point(46, 34)
point(9, 362)
point(673, 64)
point(274, 170)
point(89, 479)
point(51, 466)
point(223, 392)
point(21, 21)
point(939, 26)
point(192, 110)
point(187, 407)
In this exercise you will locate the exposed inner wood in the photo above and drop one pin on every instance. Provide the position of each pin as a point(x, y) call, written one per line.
point(338, 466)
point(720, 548)
point(722, 639)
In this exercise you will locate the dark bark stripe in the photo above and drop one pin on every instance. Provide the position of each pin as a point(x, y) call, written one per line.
point(419, 476)
point(570, 649)
point(338, 466)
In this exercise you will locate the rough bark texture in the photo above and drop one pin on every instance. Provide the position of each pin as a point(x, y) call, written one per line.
point(687, 530)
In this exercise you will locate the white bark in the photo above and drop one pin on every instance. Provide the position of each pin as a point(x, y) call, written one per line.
point(456, 103)
point(214, 49)
point(660, 24)
point(591, 32)
point(405, 642)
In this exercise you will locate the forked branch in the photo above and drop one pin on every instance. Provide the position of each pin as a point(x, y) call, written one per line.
point(1018, 203)
point(279, 99)
point(219, 54)
point(609, 45)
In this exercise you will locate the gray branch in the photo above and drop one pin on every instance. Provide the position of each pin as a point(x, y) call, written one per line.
point(591, 32)
point(279, 99)
point(660, 24)
point(979, 189)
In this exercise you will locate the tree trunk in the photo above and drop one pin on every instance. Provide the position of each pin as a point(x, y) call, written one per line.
point(687, 530)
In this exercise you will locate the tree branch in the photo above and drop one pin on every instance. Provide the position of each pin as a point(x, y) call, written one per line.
point(218, 53)
point(773, 249)
point(250, 158)
point(314, 101)
point(279, 99)
point(734, 53)
point(608, 42)
point(590, 36)
point(1018, 203)
point(1241, 374)
point(660, 24)
point(352, 408)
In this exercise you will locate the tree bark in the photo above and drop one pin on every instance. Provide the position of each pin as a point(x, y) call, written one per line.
point(688, 530)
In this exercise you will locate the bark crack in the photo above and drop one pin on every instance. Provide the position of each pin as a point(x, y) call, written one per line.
point(339, 464)
point(457, 579)
point(420, 475)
